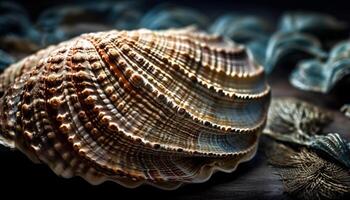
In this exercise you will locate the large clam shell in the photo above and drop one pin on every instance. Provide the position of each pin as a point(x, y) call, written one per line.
point(162, 108)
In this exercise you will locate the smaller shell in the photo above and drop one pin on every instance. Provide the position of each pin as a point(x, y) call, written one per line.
point(334, 145)
point(295, 121)
point(318, 76)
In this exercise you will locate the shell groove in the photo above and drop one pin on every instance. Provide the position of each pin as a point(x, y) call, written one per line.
point(163, 107)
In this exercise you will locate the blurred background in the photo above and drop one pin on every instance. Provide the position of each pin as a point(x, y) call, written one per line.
point(280, 34)
point(339, 8)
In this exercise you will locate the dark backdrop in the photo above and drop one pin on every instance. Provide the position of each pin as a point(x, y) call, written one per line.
point(37, 181)
point(339, 8)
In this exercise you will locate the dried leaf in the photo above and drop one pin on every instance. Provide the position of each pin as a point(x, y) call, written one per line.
point(306, 175)
point(295, 121)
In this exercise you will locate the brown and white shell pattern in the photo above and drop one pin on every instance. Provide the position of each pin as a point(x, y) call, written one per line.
point(162, 108)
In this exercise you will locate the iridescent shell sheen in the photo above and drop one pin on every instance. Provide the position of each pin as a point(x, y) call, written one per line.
point(162, 108)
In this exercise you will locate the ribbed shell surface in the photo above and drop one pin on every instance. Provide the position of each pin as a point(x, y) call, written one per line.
point(163, 108)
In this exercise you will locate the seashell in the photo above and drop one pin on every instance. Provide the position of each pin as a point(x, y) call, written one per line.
point(322, 26)
point(5, 60)
point(162, 108)
point(291, 48)
point(334, 145)
point(295, 121)
point(318, 76)
point(168, 15)
point(64, 22)
point(346, 110)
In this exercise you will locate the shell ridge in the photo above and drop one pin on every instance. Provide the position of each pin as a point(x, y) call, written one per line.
point(264, 94)
point(130, 107)
point(148, 141)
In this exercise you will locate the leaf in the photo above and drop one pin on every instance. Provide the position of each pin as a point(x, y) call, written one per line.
point(305, 175)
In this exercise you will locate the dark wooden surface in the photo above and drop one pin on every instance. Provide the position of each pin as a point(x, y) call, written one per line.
point(252, 180)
